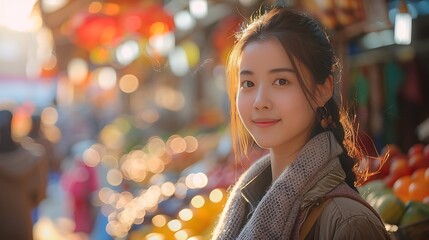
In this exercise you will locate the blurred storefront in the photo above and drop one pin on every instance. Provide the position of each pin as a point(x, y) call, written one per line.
point(133, 94)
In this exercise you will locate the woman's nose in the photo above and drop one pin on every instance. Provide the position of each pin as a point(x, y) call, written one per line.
point(262, 99)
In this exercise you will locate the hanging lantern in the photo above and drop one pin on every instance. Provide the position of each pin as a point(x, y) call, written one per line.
point(223, 36)
point(123, 1)
point(403, 24)
point(150, 21)
point(93, 30)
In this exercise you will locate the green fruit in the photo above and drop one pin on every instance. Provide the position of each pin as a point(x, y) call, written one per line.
point(422, 206)
point(390, 208)
point(372, 186)
point(415, 212)
point(373, 197)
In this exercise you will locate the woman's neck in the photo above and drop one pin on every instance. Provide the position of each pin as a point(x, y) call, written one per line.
point(280, 162)
point(283, 156)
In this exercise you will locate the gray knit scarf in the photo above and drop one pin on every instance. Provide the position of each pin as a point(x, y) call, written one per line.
point(276, 214)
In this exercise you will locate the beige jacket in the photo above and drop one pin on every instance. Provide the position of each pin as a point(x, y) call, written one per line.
point(258, 208)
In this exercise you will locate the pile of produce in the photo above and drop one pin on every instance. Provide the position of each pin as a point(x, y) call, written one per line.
point(400, 190)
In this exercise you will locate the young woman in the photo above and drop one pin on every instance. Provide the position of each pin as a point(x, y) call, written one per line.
point(282, 93)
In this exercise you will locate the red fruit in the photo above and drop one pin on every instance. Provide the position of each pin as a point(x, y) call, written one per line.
point(400, 168)
point(384, 171)
point(417, 161)
point(426, 152)
point(390, 180)
point(416, 148)
point(399, 157)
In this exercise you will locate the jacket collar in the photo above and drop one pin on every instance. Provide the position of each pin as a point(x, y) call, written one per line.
point(256, 188)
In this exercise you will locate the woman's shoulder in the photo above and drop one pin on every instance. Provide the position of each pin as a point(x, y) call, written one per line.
point(344, 208)
point(346, 218)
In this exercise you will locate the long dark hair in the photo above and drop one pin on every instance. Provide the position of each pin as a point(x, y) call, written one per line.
point(306, 42)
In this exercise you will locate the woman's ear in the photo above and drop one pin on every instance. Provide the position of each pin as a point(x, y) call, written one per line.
point(325, 91)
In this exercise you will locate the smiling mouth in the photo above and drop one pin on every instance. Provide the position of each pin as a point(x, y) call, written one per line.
point(265, 123)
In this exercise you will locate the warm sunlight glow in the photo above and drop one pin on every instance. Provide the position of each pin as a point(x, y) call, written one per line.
point(17, 14)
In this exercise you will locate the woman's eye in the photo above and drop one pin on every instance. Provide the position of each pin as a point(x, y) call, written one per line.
point(281, 82)
point(247, 84)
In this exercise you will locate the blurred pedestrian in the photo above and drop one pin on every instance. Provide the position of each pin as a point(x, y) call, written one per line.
point(22, 182)
point(51, 154)
point(80, 181)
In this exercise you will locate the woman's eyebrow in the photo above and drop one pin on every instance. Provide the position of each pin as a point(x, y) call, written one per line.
point(246, 72)
point(274, 70)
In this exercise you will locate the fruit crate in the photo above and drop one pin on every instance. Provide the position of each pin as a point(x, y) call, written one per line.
point(416, 231)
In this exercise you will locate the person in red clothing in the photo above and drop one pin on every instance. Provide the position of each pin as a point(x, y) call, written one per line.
point(81, 182)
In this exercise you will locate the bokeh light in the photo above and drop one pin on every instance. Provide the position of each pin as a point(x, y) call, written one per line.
point(185, 214)
point(198, 201)
point(106, 78)
point(114, 177)
point(128, 83)
point(159, 220)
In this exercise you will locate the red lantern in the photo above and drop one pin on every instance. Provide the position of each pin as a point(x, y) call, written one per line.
point(123, 1)
point(224, 35)
point(152, 20)
point(93, 30)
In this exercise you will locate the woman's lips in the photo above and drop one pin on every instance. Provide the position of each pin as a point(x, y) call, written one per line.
point(266, 123)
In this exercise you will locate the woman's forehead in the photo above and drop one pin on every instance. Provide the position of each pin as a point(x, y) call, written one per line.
point(270, 53)
point(264, 53)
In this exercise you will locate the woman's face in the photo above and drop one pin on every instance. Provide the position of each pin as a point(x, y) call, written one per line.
point(270, 101)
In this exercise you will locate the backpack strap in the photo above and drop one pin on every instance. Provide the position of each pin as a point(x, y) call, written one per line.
point(312, 218)
point(341, 190)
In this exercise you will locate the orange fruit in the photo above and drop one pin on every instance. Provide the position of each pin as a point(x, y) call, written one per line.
point(418, 190)
point(401, 186)
point(418, 175)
